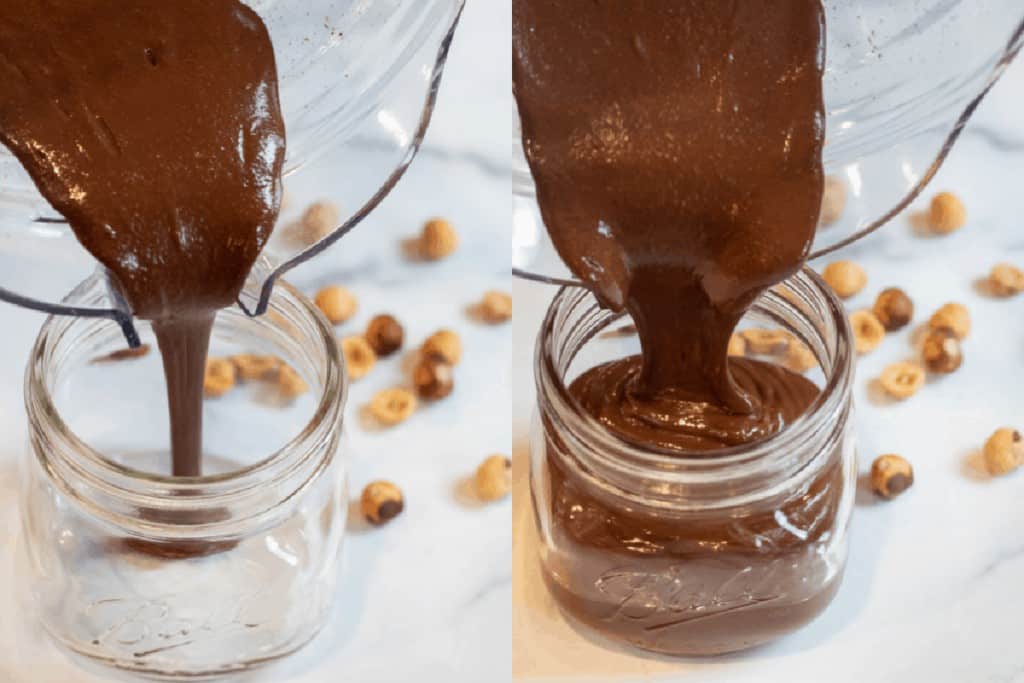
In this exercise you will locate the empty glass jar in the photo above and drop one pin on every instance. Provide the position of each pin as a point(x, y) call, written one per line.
point(182, 577)
point(693, 554)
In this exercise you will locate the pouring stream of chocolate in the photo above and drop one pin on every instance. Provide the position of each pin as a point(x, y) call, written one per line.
point(154, 127)
point(676, 151)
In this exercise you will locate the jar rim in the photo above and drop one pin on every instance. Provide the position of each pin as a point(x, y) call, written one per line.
point(768, 457)
point(208, 489)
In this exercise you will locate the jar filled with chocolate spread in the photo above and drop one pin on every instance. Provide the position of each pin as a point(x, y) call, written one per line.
point(182, 576)
point(700, 551)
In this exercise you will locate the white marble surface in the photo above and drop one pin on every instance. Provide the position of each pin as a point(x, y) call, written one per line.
point(933, 589)
point(426, 597)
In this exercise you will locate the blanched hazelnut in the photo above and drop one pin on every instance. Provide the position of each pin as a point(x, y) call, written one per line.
point(833, 200)
point(764, 341)
point(493, 478)
point(384, 334)
point(737, 345)
point(902, 380)
point(894, 309)
point(438, 239)
point(845, 278)
point(445, 345)
point(290, 383)
point(123, 354)
point(359, 356)
point(219, 377)
point(891, 475)
point(1004, 451)
point(799, 357)
point(1006, 279)
point(946, 213)
point(868, 332)
point(319, 220)
point(952, 317)
point(496, 307)
point(392, 406)
point(251, 367)
point(381, 502)
point(336, 303)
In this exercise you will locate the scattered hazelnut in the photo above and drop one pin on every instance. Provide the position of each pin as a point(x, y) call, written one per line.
point(359, 356)
point(952, 317)
point(799, 357)
point(946, 213)
point(902, 380)
point(894, 309)
point(762, 341)
point(250, 367)
point(445, 345)
point(123, 354)
point(891, 475)
point(384, 334)
point(290, 383)
point(381, 502)
point(434, 379)
point(868, 332)
point(1004, 451)
point(496, 307)
point(392, 406)
point(319, 220)
point(737, 345)
point(833, 200)
point(1006, 279)
point(941, 352)
point(336, 303)
point(438, 239)
point(845, 278)
point(493, 478)
point(219, 377)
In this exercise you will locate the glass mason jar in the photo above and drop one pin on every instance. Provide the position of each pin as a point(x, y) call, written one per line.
point(693, 554)
point(170, 576)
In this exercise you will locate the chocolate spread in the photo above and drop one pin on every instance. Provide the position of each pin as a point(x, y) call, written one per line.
point(154, 128)
point(676, 151)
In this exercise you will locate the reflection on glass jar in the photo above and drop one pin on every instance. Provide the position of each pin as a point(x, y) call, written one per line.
point(182, 576)
point(701, 554)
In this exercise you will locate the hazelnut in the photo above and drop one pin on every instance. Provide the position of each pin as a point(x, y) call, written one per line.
point(894, 309)
point(941, 352)
point(392, 406)
point(444, 345)
point(496, 307)
point(902, 380)
point(952, 317)
point(737, 345)
point(438, 239)
point(433, 378)
point(381, 502)
point(219, 377)
point(123, 354)
point(384, 334)
point(493, 478)
point(1006, 279)
point(868, 332)
point(891, 475)
point(250, 367)
point(799, 357)
point(1004, 451)
point(290, 383)
point(359, 356)
point(336, 303)
point(946, 213)
point(845, 278)
point(762, 341)
point(833, 200)
point(319, 220)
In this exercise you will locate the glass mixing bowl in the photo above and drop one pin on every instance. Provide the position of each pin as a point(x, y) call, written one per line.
point(902, 78)
point(358, 80)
